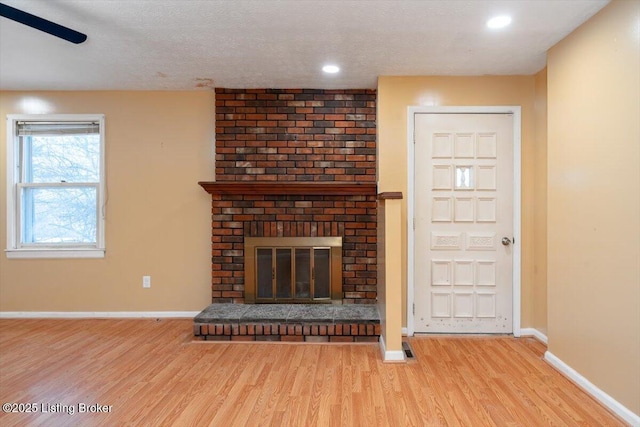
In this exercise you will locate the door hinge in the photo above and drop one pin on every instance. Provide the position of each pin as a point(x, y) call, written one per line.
point(414, 223)
point(414, 308)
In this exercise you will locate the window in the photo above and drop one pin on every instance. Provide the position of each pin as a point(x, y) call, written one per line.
point(55, 175)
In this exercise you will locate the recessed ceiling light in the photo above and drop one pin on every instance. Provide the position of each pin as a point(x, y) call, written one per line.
point(332, 69)
point(499, 22)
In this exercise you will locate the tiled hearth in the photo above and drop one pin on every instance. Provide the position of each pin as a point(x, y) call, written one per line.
point(288, 322)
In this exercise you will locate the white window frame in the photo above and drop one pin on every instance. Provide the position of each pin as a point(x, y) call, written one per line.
point(14, 248)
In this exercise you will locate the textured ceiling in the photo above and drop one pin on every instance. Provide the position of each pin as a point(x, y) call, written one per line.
point(185, 44)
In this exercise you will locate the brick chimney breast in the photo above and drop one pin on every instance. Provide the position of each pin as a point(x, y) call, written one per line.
point(282, 136)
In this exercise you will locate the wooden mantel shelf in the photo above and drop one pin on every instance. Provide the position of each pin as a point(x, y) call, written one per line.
point(290, 188)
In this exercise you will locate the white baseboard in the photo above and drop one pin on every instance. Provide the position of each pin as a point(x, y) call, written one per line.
point(95, 314)
point(390, 356)
point(405, 332)
point(532, 332)
point(589, 387)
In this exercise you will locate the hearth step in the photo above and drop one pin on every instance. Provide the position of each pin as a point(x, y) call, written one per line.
point(288, 322)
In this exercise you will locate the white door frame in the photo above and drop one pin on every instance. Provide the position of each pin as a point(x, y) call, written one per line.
point(517, 182)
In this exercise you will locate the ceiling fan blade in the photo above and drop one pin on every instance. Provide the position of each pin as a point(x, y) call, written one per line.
point(42, 24)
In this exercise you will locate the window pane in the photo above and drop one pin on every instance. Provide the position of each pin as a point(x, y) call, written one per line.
point(303, 273)
point(283, 273)
point(265, 265)
point(59, 215)
point(322, 273)
point(464, 177)
point(63, 158)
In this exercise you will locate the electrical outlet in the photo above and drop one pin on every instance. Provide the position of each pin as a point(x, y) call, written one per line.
point(146, 281)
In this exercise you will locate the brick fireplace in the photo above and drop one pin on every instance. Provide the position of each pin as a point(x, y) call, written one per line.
point(294, 163)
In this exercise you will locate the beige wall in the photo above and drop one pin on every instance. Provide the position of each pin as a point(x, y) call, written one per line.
point(395, 94)
point(538, 292)
point(158, 145)
point(594, 201)
point(389, 268)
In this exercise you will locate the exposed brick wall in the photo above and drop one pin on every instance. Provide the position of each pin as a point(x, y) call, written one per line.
point(295, 135)
point(352, 217)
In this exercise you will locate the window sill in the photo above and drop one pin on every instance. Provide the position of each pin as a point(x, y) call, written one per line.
point(54, 253)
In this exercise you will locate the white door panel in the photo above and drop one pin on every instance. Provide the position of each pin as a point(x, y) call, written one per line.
point(463, 210)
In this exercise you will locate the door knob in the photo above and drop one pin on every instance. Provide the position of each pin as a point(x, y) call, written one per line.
point(506, 241)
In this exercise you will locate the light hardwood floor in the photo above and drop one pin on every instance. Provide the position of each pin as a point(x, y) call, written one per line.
point(151, 373)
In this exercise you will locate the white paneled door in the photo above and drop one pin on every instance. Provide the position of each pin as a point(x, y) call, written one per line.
point(463, 223)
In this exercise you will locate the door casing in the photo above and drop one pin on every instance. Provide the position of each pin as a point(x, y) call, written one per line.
point(517, 183)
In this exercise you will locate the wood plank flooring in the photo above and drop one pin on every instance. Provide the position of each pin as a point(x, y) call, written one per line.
point(151, 373)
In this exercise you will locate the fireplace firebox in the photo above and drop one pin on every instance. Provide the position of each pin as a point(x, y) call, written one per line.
point(293, 269)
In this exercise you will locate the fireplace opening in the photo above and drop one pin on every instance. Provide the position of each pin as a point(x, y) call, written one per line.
point(293, 269)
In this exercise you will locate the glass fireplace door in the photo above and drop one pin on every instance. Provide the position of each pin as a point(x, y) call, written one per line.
point(322, 273)
point(303, 273)
point(294, 274)
point(293, 269)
